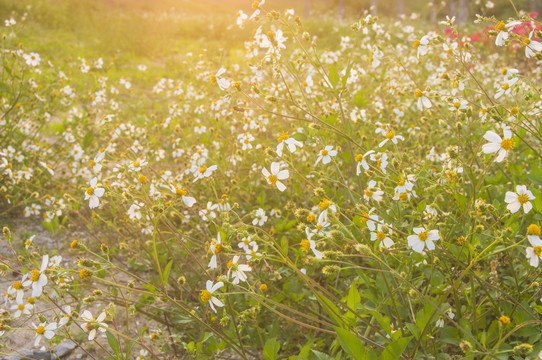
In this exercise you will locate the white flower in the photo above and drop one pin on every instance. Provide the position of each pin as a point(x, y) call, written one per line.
point(371, 193)
point(222, 83)
point(21, 308)
point(309, 244)
point(187, 200)
point(382, 235)
point(498, 145)
point(32, 59)
point(92, 324)
point(241, 17)
point(207, 294)
point(204, 172)
point(422, 239)
point(390, 136)
point(534, 254)
point(276, 174)
point(215, 249)
point(37, 278)
point(290, 142)
point(516, 199)
point(94, 193)
point(44, 330)
point(506, 87)
point(325, 155)
point(502, 36)
point(260, 217)
point(423, 101)
point(47, 167)
point(531, 46)
point(209, 211)
point(237, 271)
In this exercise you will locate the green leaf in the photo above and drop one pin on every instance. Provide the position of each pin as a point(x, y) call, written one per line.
point(359, 100)
point(351, 344)
point(166, 271)
point(535, 176)
point(151, 288)
point(300, 136)
point(421, 206)
point(87, 140)
point(284, 245)
point(537, 202)
point(320, 356)
point(334, 75)
point(395, 349)
point(113, 343)
point(353, 297)
point(271, 349)
point(331, 309)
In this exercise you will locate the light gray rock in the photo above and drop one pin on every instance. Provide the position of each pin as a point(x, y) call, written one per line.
point(64, 349)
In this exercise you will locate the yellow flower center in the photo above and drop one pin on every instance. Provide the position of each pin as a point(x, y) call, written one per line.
point(136, 164)
point(205, 295)
point(40, 330)
point(20, 307)
point(83, 273)
point(538, 250)
point(531, 230)
point(203, 169)
point(230, 264)
point(31, 300)
point(311, 218)
point(90, 190)
point(283, 137)
point(380, 235)
point(324, 152)
point(359, 157)
point(507, 144)
point(324, 204)
point(523, 198)
point(272, 179)
point(390, 135)
point(368, 193)
point(457, 104)
point(423, 235)
point(305, 244)
point(180, 191)
point(92, 162)
point(500, 26)
point(418, 93)
point(212, 79)
point(403, 196)
point(505, 86)
point(17, 285)
point(416, 43)
point(35, 276)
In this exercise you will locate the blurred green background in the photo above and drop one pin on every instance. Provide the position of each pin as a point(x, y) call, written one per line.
point(153, 28)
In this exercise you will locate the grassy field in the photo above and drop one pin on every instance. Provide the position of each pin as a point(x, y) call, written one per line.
point(231, 180)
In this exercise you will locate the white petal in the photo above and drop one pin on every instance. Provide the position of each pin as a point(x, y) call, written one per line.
point(514, 207)
point(99, 192)
point(527, 207)
point(492, 137)
point(275, 168)
point(216, 286)
point(283, 174)
point(280, 186)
